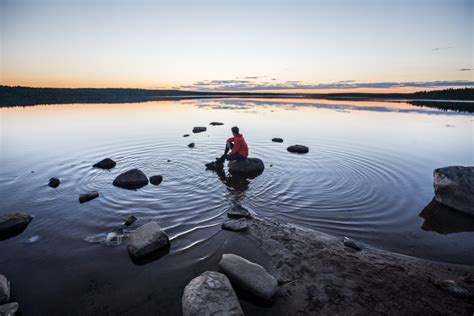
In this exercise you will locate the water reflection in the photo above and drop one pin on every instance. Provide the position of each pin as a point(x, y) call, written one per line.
point(445, 220)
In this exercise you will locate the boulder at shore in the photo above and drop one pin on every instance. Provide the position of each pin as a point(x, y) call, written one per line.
point(246, 166)
point(249, 276)
point(12, 223)
point(277, 140)
point(147, 239)
point(54, 182)
point(107, 163)
point(132, 179)
point(299, 149)
point(4, 289)
point(210, 294)
point(155, 180)
point(454, 187)
point(199, 129)
point(88, 196)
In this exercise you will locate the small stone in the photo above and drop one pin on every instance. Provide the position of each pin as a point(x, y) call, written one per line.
point(199, 129)
point(249, 276)
point(216, 123)
point(9, 309)
point(88, 196)
point(351, 244)
point(235, 225)
point(299, 149)
point(4, 289)
point(156, 180)
point(132, 179)
point(238, 211)
point(54, 182)
point(191, 145)
point(106, 163)
point(130, 220)
point(210, 294)
point(147, 239)
point(277, 140)
point(186, 135)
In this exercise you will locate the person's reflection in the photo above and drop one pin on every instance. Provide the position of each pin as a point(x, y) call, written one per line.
point(445, 220)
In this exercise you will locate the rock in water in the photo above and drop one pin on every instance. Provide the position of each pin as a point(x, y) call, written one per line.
point(107, 163)
point(214, 165)
point(216, 123)
point(277, 140)
point(186, 135)
point(9, 309)
point(238, 211)
point(235, 225)
point(88, 196)
point(247, 166)
point(299, 149)
point(210, 294)
point(147, 239)
point(454, 187)
point(199, 129)
point(249, 276)
point(191, 145)
point(130, 220)
point(351, 244)
point(4, 289)
point(54, 182)
point(156, 180)
point(132, 179)
point(12, 223)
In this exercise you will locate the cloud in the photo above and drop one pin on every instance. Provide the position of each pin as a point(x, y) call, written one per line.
point(440, 48)
point(247, 85)
point(465, 69)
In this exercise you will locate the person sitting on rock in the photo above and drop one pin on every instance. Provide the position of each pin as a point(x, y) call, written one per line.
point(237, 146)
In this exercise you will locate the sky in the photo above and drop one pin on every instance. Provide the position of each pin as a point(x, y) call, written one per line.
point(301, 46)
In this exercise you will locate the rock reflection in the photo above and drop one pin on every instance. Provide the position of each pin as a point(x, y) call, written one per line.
point(445, 220)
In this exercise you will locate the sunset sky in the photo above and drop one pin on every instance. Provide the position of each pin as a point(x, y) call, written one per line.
point(318, 46)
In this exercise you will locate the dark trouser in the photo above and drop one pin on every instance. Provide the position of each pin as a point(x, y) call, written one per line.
point(228, 157)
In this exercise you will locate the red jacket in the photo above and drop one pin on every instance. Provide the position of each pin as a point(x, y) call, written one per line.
point(240, 146)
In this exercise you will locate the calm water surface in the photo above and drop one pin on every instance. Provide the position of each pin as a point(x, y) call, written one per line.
point(368, 175)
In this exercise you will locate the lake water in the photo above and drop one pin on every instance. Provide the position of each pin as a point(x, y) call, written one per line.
point(368, 175)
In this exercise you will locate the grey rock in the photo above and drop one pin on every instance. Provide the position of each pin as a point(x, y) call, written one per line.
point(156, 180)
point(454, 187)
point(210, 294)
point(13, 222)
point(299, 149)
point(106, 163)
point(54, 182)
point(147, 239)
point(199, 129)
point(9, 309)
point(130, 220)
point(238, 211)
point(351, 244)
point(4, 289)
point(88, 196)
point(235, 225)
point(247, 166)
point(191, 145)
point(249, 276)
point(277, 140)
point(216, 123)
point(132, 179)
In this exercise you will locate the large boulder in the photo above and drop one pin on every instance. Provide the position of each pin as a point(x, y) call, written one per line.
point(246, 166)
point(210, 294)
point(132, 179)
point(249, 276)
point(4, 289)
point(299, 149)
point(13, 223)
point(106, 163)
point(199, 129)
point(454, 187)
point(147, 239)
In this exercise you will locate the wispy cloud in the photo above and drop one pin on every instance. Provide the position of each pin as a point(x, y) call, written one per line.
point(252, 85)
point(440, 48)
point(465, 69)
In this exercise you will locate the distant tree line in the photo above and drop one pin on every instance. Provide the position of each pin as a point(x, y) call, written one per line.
point(465, 94)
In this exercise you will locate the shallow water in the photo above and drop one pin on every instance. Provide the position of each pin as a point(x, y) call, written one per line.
point(368, 175)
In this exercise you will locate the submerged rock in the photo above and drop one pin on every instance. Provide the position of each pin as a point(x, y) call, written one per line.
point(88, 196)
point(454, 187)
point(132, 179)
point(54, 182)
point(299, 149)
point(9, 309)
point(277, 140)
point(12, 224)
point(216, 123)
point(191, 145)
point(113, 238)
point(351, 244)
point(147, 239)
point(4, 289)
point(235, 225)
point(249, 276)
point(130, 220)
point(247, 166)
point(156, 180)
point(238, 211)
point(199, 129)
point(107, 163)
point(210, 294)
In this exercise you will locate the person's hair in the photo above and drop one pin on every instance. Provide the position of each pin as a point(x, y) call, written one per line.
point(235, 130)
